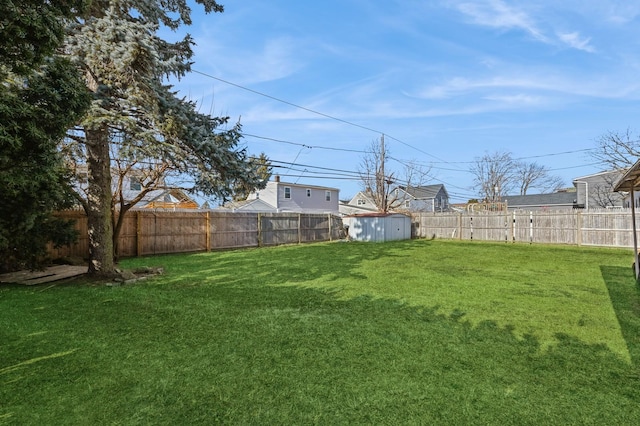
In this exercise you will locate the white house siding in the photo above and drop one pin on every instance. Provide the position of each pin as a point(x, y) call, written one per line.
point(315, 202)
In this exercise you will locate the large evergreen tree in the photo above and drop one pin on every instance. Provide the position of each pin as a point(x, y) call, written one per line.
point(41, 96)
point(137, 115)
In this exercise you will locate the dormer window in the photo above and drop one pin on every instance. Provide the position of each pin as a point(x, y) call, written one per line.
point(287, 192)
point(327, 195)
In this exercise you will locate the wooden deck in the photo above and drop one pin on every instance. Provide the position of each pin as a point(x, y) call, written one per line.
point(52, 273)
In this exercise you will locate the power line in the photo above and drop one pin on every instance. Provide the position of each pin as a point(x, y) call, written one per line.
point(350, 123)
point(285, 102)
point(305, 145)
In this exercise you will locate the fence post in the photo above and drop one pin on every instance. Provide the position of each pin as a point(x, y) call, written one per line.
point(506, 226)
point(138, 232)
point(208, 231)
point(329, 217)
point(259, 229)
point(299, 228)
point(579, 229)
point(513, 228)
point(530, 227)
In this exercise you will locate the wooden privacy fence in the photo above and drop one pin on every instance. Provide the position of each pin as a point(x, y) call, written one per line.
point(605, 227)
point(147, 231)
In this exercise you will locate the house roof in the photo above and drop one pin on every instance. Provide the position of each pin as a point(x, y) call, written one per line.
point(599, 174)
point(301, 185)
point(253, 205)
point(157, 195)
point(351, 209)
point(423, 192)
point(554, 199)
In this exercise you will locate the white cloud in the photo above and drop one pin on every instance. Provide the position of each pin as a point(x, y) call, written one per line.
point(574, 40)
point(498, 14)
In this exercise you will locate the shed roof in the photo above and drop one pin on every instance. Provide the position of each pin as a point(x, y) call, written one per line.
point(376, 214)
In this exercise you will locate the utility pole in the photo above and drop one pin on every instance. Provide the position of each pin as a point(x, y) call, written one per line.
point(382, 191)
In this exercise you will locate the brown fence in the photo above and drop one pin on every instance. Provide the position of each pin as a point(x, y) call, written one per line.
point(611, 228)
point(146, 232)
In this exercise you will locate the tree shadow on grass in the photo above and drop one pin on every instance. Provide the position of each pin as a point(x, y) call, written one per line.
point(284, 264)
point(258, 354)
point(625, 298)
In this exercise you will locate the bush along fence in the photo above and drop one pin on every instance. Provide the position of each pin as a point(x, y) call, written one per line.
point(606, 227)
point(148, 231)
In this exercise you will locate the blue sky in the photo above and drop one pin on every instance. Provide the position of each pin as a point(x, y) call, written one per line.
point(446, 81)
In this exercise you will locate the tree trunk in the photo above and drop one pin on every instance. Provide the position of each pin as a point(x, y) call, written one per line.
point(101, 259)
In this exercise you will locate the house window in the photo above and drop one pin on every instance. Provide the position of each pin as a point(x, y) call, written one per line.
point(327, 195)
point(407, 203)
point(361, 202)
point(134, 184)
point(308, 193)
point(287, 192)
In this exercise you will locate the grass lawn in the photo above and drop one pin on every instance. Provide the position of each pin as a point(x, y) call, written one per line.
point(411, 332)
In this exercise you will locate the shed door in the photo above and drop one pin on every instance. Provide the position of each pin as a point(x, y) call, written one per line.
point(397, 228)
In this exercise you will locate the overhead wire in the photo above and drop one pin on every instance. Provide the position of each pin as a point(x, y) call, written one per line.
point(350, 123)
point(388, 136)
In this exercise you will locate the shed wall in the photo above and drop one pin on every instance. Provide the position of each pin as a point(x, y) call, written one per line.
point(379, 228)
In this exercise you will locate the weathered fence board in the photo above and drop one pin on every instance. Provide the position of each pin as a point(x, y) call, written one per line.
point(148, 231)
point(611, 228)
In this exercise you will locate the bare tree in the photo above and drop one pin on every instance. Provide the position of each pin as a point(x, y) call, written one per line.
point(534, 175)
point(379, 183)
point(617, 150)
point(494, 174)
point(375, 182)
point(602, 193)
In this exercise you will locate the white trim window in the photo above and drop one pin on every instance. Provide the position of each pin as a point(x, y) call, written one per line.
point(362, 201)
point(327, 195)
point(287, 192)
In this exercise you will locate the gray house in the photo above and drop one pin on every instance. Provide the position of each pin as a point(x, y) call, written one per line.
point(596, 190)
point(291, 197)
point(428, 198)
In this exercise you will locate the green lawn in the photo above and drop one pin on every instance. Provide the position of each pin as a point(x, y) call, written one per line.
point(412, 332)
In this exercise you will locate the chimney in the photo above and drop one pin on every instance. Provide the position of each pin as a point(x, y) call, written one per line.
point(277, 178)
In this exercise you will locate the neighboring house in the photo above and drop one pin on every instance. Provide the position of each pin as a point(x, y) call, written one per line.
point(167, 198)
point(562, 200)
point(162, 198)
point(293, 197)
point(249, 206)
point(428, 198)
point(596, 190)
point(361, 203)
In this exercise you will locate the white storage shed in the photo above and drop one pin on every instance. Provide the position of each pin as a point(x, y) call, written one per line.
point(378, 227)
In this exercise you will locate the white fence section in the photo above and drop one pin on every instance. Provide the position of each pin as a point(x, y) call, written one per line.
point(611, 228)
